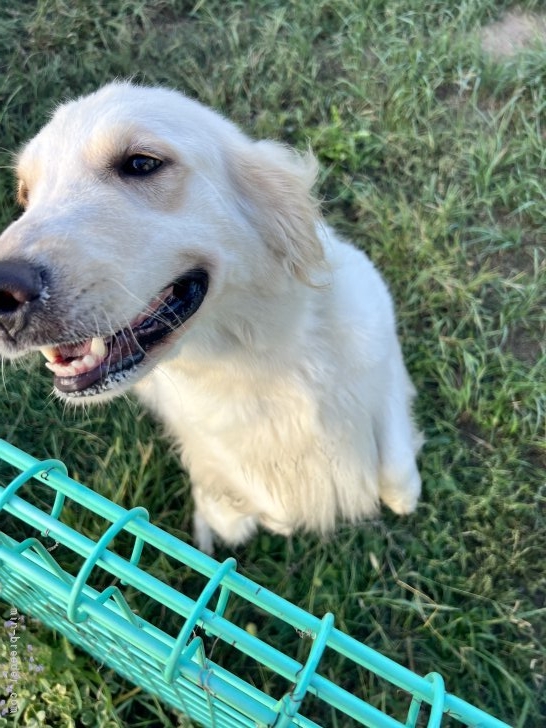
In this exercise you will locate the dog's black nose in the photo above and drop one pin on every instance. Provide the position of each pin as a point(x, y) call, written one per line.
point(20, 283)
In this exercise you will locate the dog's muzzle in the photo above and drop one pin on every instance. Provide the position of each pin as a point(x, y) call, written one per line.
point(84, 366)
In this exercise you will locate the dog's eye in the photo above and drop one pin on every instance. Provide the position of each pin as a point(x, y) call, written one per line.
point(139, 165)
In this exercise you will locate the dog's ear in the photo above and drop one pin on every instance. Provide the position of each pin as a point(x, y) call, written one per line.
point(273, 186)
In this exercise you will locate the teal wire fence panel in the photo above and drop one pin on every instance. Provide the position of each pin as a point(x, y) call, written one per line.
point(176, 667)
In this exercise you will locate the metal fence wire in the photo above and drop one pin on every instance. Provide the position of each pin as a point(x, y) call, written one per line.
point(176, 668)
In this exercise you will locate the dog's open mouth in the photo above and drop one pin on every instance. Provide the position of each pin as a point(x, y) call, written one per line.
point(97, 364)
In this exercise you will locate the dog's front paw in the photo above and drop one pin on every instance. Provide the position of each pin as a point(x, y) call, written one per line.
point(400, 490)
point(225, 523)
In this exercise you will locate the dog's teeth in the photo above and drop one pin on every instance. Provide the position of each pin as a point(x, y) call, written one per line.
point(90, 361)
point(98, 347)
point(50, 352)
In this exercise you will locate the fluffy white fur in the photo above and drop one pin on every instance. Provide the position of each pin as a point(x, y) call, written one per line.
point(286, 390)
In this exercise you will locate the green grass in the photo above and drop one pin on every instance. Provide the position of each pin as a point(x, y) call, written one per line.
point(433, 159)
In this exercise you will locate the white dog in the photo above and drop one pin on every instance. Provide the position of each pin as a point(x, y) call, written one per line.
point(162, 249)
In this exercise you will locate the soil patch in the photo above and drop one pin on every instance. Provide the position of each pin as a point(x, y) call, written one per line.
point(514, 32)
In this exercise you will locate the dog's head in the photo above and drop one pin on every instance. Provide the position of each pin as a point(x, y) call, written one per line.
point(146, 217)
